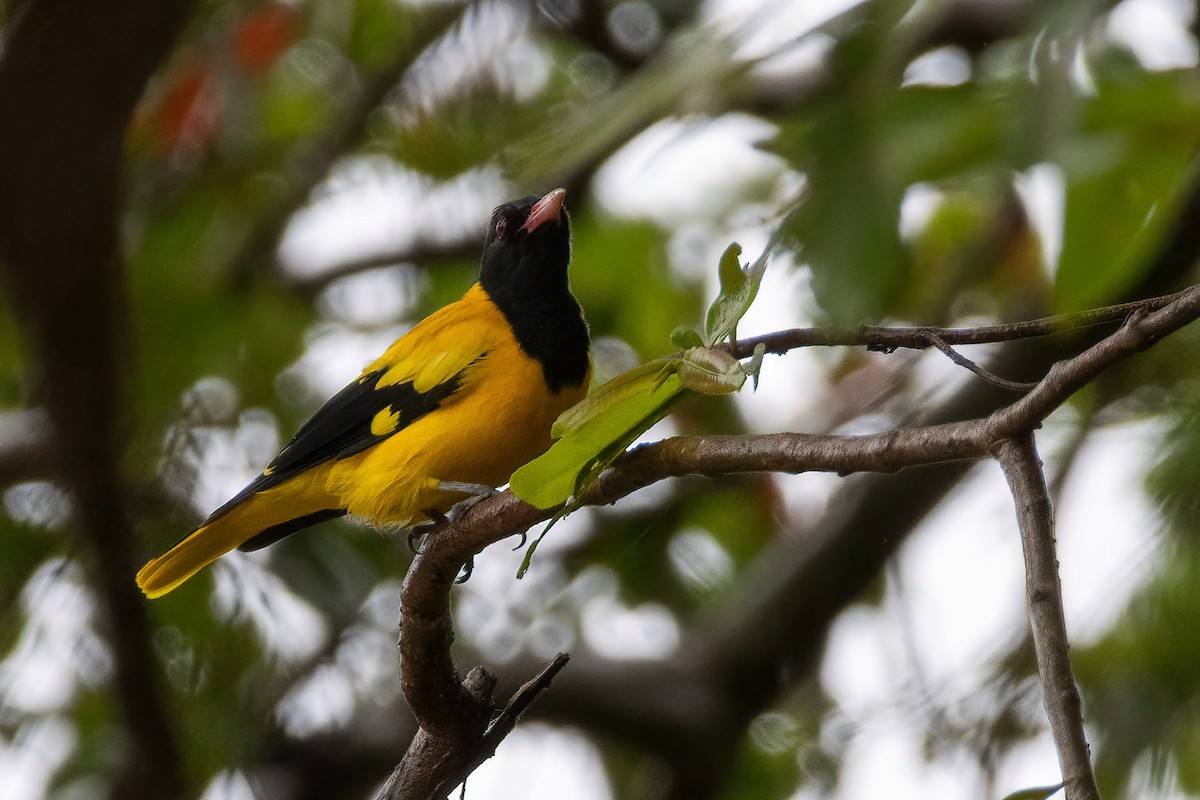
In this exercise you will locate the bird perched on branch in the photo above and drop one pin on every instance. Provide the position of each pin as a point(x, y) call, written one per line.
point(448, 411)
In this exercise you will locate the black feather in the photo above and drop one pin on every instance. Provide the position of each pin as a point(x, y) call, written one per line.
point(525, 275)
point(342, 427)
point(276, 532)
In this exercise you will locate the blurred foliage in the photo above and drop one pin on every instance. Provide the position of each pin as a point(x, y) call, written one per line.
point(897, 197)
point(1143, 670)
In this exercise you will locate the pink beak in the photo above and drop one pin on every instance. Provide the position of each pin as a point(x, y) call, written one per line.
point(549, 207)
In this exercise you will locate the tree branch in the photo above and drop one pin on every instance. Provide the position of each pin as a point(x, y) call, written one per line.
point(70, 75)
point(441, 704)
point(887, 339)
point(454, 737)
point(420, 252)
point(524, 698)
point(433, 765)
point(1043, 595)
point(966, 363)
point(428, 676)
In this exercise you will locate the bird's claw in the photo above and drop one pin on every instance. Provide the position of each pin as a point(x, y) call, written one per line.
point(436, 520)
point(415, 535)
point(461, 507)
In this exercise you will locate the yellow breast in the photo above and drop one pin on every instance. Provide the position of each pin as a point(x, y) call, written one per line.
point(497, 419)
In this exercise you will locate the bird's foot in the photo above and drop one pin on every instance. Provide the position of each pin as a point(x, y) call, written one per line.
point(477, 492)
point(417, 533)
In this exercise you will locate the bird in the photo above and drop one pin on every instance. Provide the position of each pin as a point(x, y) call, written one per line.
point(447, 413)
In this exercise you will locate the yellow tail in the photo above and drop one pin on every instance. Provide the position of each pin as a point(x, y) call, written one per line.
point(251, 520)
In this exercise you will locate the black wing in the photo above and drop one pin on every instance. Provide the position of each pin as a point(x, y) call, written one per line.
point(342, 427)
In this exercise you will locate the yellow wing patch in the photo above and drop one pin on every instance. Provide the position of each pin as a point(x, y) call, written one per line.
point(386, 421)
point(444, 344)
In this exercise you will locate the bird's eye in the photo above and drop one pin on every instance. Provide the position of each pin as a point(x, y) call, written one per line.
point(501, 227)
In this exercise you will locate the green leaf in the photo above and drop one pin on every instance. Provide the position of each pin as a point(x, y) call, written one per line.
point(755, 365)
point(1127, 174)
point(738, 290)
point(846, 226)
point(596, 431)
point(608, 395)
point(941, 133)
point(729, 272)
point(1115, 221)
point(599, 428)
point(632, 255)
point(729, 269)
point(533, 546)
point(686, 338)
point(1035, 793)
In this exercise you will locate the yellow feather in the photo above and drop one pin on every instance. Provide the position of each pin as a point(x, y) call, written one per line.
point(295, 498)
point(385, 422)
point(442, 344)
point(498, 419)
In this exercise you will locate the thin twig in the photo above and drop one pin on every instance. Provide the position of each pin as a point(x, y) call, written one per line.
point(434, 765)
point(963, 361)
point(1043, 594)
point(886, 339)
point(523, 698)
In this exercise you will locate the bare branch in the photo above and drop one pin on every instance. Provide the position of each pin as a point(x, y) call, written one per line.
point(961, 360)
point(503, 725)
point(428, 677)
point(437, 762)
point(434, 765)
point(887, 339)
point(504, 515)
point(455, 736)
point(423, 253)
point(1043, 596)
point(1067, 377)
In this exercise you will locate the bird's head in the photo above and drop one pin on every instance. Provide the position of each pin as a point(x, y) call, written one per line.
point(527, 249)
point(524, 272)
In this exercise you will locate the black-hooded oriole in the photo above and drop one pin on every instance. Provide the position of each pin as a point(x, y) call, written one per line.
point(464, 398)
